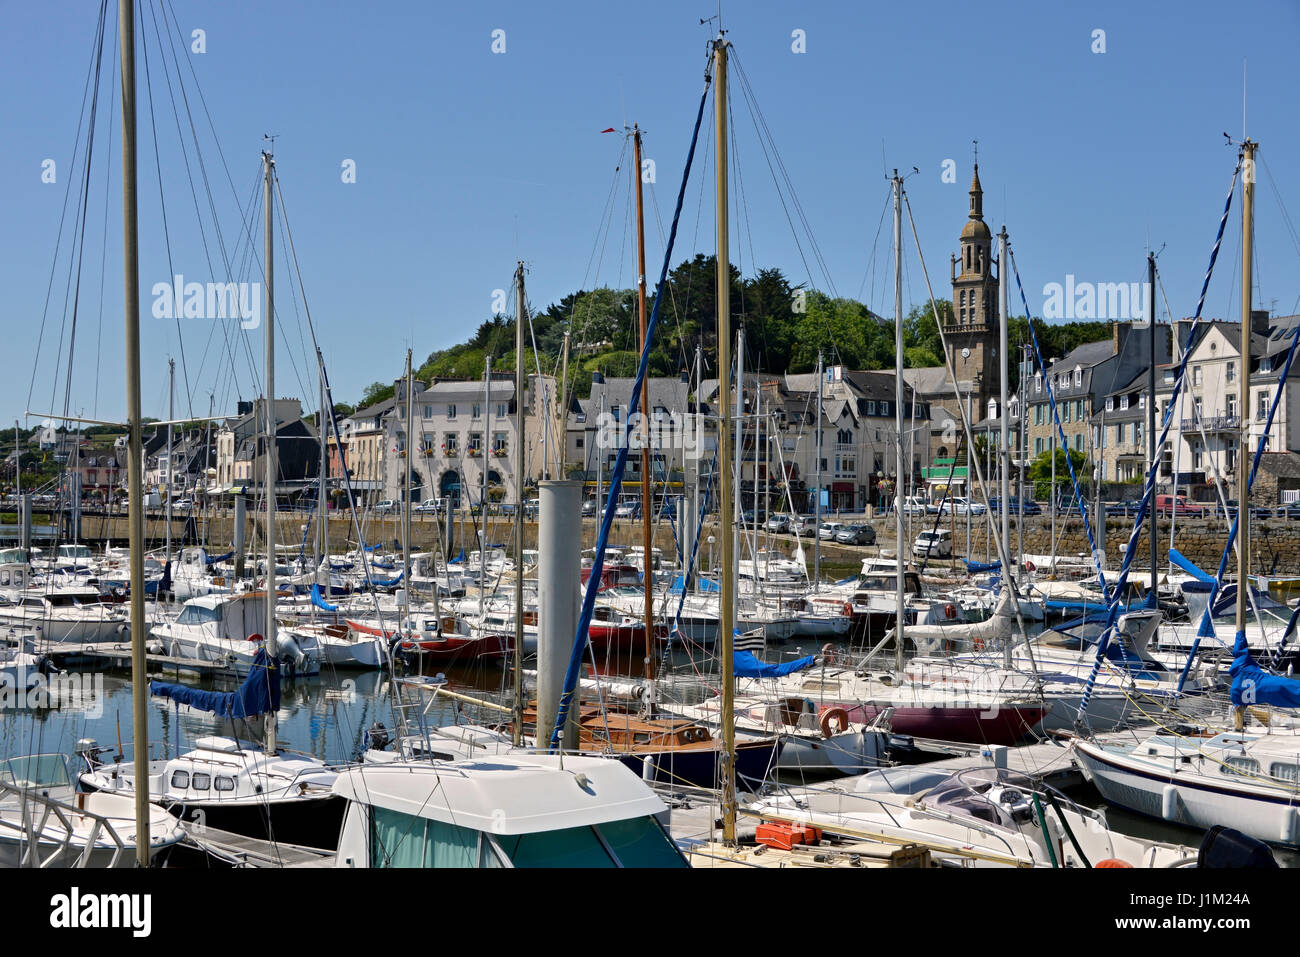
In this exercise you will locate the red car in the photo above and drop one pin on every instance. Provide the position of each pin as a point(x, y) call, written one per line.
point(1177, 505)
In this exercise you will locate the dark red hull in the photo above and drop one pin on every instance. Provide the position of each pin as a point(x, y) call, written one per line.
point(1004, 725)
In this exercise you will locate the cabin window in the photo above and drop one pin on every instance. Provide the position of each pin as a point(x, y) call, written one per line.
point(197, 615)
point(180, 780)
point(1239, 764)
point(403, 840)
point(201, 781)
point(570, 847)
point(640, 842)
point(224, 783)
point(1285, 772)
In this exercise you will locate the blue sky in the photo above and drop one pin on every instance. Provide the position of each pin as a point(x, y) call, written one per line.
point(467, 160)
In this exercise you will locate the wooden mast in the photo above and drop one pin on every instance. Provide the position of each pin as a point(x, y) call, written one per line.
point(1243, 469)
point(135, 442)
point(727, 598)
point(517, 726)
point(647, 573)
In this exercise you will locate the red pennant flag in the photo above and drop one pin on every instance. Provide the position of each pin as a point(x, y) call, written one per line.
point(610, 130)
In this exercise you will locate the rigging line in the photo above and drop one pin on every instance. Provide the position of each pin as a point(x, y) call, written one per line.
point(871, 260)
point(744, 88)
point(216, 218)
point(162, 207)
point(194, 195)
point(103, 246)
point(785, 175)
point(293, 296)
point(84, 209)
point(96, 51)
point(1286, 217)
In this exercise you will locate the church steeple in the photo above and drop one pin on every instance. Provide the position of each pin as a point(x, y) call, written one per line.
point(976, 195)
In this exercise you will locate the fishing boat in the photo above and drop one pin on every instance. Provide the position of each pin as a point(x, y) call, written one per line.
point(506, 811)
point(227, 783)
point(228, 629)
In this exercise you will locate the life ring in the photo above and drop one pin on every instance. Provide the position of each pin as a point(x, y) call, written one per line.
point(828, 653)
point(977, 644)
point(255, 637)
point(1030, 567)
point(950, 610)
point(1113, 862)
point(847, 610)
point(840, 716)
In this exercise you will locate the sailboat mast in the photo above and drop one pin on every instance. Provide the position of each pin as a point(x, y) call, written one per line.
point(322, 516)
point(900, 614)
point(272, 464)
point(1243, 470)
point(135, 438)
point(1151, 419)
point(171, 416)
point(727, 597)
point(404, 501)
point(483, 493)
point(563, 442)
point(817, 506)
point(517, 726)
point(1004, 451)
point(647, 539)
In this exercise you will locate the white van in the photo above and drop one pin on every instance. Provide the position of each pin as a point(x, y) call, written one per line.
point(936, 544)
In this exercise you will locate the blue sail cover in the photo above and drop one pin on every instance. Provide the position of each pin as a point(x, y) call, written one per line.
point(1189, 566)
point(747, 666)
point(213, 559)
point(976, 568)
point(386, 582)
point(259, 694)
point(319, 601)
point(701, 584)
point(1251, 684)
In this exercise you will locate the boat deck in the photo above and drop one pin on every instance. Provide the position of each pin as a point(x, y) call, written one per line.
point(116, 656)
point(243, 851)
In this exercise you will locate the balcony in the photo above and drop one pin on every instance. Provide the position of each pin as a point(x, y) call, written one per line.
point(1213, 423)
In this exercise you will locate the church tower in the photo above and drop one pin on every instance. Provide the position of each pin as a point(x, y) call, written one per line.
point(972, 331)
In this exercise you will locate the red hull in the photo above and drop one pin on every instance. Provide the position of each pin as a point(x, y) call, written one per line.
point(621, 637)
point(449, 647)
point(971, 725)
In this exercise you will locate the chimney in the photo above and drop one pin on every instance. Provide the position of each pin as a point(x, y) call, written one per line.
point(597, 379)
point(1259, 323)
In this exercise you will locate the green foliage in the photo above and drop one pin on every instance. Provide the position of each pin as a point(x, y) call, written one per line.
point(1040, 470)
point(376, 392)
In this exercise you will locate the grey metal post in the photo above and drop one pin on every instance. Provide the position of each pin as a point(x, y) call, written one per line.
point(559, 570)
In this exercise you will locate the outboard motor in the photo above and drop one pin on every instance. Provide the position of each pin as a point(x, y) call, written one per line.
point(377, 737)
point(1225, 847)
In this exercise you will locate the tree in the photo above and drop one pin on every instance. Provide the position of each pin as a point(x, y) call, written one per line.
point(376, 392)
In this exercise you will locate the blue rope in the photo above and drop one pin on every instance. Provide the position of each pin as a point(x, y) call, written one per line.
point(1243, 588)
point(1149, 487)
point(598, 563)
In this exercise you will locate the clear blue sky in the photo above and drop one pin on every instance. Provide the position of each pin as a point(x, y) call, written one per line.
point(467, 160)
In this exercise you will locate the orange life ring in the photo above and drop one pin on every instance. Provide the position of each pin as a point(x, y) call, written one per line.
point(839, 715)
point(1113, 862)
point(255, 637)
point(977, 644)
point(1030, 567)
point(847, 610)
point(950, 610)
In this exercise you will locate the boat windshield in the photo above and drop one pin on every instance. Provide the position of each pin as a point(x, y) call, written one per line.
point(639, 842)
point(198, 615)
point(36, 771)
point(995, 795)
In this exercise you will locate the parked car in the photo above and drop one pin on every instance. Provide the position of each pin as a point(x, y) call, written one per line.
point(387, 507)
point(590, 506)
point(429, 505)
point(935, 544)
point(959, 505)
point(829, 530)
point(919, 505)
point(856, 535)
point(532, 507)
point(184, 503)
point(1256, 511)
point(1178, 505)
point(803, 524)
point(1016, 506)
point(780, 522)
point(628, 510)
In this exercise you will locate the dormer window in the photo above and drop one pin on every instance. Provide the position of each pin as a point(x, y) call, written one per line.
point(1078, 377)
point(1123, 403)
point(1110, 403)
point(1266, 364)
